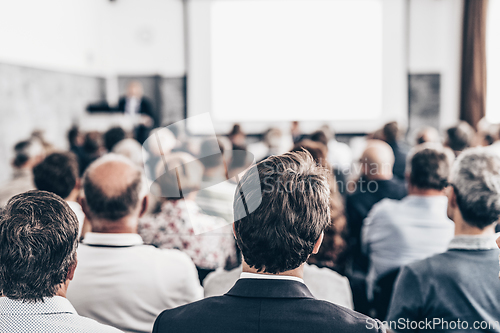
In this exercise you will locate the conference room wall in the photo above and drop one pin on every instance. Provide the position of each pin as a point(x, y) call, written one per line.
point(93, 41)
point(40, 99)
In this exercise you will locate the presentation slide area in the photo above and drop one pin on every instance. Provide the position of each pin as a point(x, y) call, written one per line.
point(262, 61)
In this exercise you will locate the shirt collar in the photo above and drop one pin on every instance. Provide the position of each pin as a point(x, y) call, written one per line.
point(50, 305)
point(246, 275)
point(474, 242)
point(94, 238)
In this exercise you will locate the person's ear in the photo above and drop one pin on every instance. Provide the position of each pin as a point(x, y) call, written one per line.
point(234, 232)
point(452, 198)
point(83, 202)
point(144, 206)
point(71, 270)
point(78, 184)
point(318, 243)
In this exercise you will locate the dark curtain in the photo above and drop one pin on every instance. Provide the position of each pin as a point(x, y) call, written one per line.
point(473, 88)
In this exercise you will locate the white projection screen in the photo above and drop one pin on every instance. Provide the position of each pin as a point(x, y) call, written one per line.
point(259, 62)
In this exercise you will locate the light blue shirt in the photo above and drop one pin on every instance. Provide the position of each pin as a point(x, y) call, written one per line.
point(54, 314)
point(397, 233)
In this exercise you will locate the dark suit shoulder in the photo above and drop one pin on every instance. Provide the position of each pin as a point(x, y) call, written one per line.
point(239, 314)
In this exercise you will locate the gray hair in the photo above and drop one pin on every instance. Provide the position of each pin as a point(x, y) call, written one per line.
point(131, 149)
point(476, 181)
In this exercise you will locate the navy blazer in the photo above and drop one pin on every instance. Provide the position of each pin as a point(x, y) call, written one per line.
point(264, 305)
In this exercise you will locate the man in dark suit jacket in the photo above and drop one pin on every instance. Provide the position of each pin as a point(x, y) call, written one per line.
point(282, 208)
point(135, 104)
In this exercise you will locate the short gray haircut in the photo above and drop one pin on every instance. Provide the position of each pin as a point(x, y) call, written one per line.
point(475, 178)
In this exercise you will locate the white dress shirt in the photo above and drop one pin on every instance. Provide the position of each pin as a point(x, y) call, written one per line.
point(80, 215)
point(323, 283)
point(247, 275)
point(54, 314)
point(121, 282)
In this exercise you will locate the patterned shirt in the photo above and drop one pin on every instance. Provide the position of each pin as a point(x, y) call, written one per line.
point(172, 228)
point(54, 314)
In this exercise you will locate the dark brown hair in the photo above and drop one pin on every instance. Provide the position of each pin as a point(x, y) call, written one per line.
point(57, 173)
point(334, 241)
point(280, 234)
point(38, 237)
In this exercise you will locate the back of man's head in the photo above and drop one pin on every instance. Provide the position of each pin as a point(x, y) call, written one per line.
point(38, 240)
point(377, 159)
point(27, 153)
point(391, 132)
point(460, 137)
point(320, 136)
point(317, 150)
point(280, 234)
point(475, 178)
point(113, 188)
point(429, 166)
point(57, 173)
point(427, 134)
point(113, 136)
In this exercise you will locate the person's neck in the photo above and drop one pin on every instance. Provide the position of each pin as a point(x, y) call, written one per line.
point(126, 225)
point(73, 196)
point(463, 228)
point(63, 288)
point(297, 272)
point(412, 190)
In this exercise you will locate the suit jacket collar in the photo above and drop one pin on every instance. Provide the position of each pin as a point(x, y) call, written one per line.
point(267, 288)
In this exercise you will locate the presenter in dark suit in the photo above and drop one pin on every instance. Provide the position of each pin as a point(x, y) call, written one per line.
point(275, 239)
point(135, 105)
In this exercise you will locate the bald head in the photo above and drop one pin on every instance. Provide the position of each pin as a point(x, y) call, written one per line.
point(113, 188)
point(428, 134)
point(377, 160)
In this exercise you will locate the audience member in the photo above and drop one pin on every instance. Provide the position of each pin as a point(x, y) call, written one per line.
point(139, 109)
point(275, 239)
point(391, 133)
point(27, 154)
point(58, 173)
point(376, 183)
point(334, 235)
point(131, 149)
point(92, 150)
point(119, 280)
point(181, 224)
point(427, 134)
point(112, 137)
point(398, 232)
point(460, 285)
point(38, 237)
point(339, 153)
point(237, 136)
point(216, 193)
point(273, 139)
point(459, 137)
point(160, 143)
point(296, 132)
point(75, 141)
